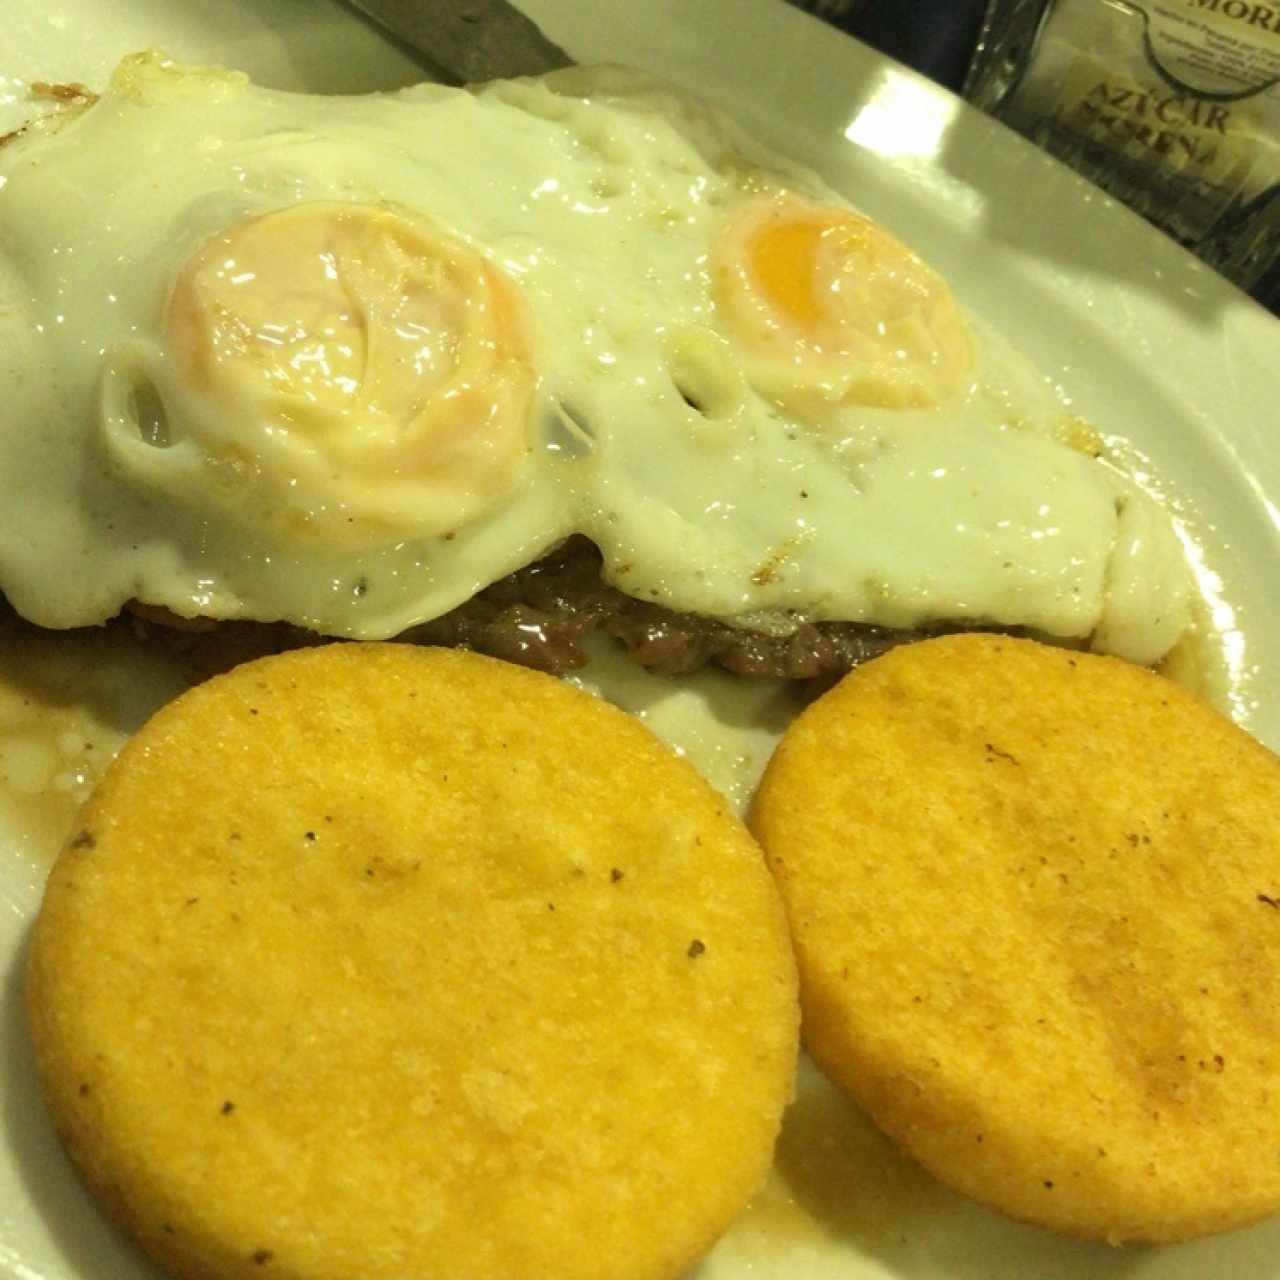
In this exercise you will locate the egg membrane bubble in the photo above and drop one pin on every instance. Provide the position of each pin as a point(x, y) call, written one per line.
point(1146, 609)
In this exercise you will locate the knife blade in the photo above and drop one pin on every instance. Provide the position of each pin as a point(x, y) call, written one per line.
point(468, 41)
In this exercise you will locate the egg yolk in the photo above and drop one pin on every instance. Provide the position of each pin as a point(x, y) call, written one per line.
point(377, 367)
point(829, 309)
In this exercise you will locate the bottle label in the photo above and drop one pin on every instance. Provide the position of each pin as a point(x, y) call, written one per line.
point(1215, 47)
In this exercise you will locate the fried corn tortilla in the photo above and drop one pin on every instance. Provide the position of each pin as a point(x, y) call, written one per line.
point(384, 961)
point(1035, 899)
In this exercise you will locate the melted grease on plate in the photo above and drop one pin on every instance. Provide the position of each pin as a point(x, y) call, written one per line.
point(842, 1202)
point(68, 701)
point(836, 1176)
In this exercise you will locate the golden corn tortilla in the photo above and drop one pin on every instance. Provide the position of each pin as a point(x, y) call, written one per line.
point(378, 961)
point(1035, 900)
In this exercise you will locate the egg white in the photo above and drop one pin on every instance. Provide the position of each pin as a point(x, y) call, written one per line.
point(603, 196)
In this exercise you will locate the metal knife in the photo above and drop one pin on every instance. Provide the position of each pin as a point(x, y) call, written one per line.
point(464, 41)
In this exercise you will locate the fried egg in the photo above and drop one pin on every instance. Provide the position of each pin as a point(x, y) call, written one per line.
point(346, 361)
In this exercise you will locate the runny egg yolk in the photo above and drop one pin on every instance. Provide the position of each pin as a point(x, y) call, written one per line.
point(361, 363)
point(829, 309)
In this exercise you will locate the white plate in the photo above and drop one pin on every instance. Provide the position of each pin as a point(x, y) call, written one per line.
point(1149, 344)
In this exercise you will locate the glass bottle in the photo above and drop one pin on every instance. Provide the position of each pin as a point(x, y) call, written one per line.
point(1172, 106)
